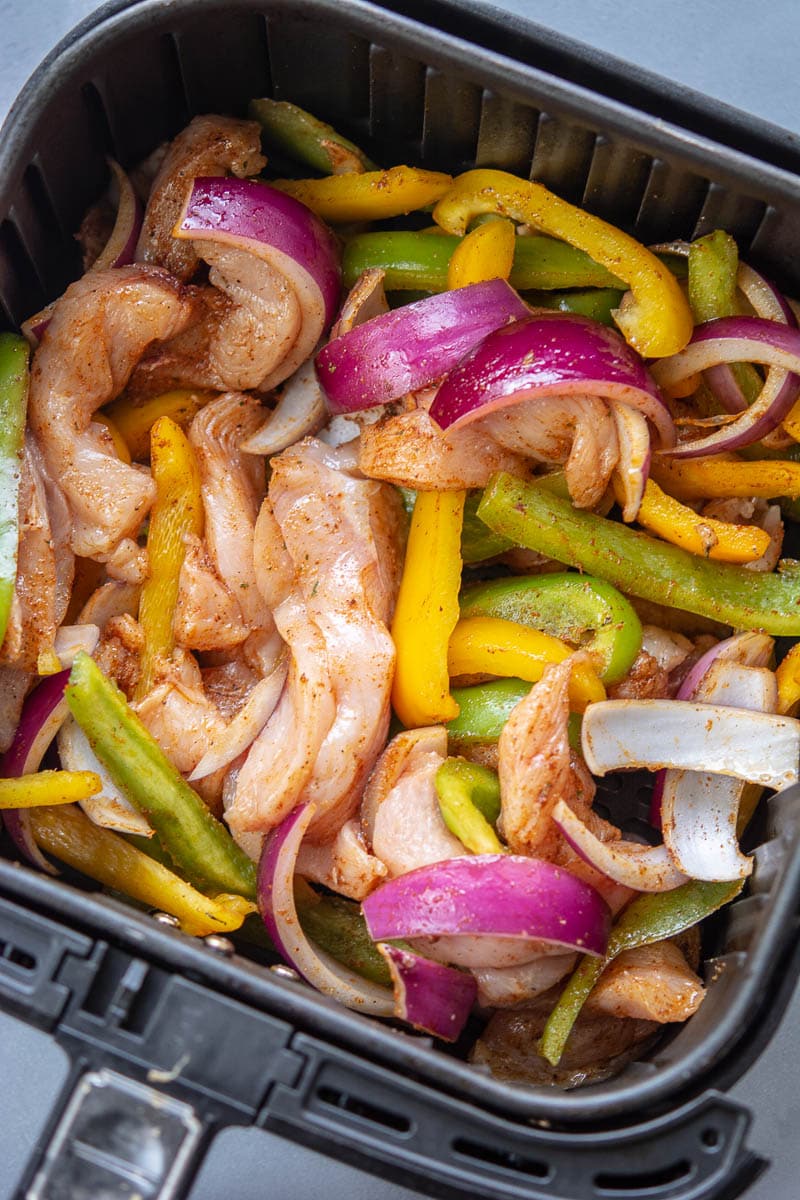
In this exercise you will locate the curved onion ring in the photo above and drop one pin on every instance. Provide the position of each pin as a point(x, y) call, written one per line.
point(633, 468)
point(549, 354)
point(642, 868)
point(499, 897)
point(411, 347)
point(121, 246)
point(259, 220)
point(277, 907)
point(737, 339)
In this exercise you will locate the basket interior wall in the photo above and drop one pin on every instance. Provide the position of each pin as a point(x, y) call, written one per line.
point(437, 109)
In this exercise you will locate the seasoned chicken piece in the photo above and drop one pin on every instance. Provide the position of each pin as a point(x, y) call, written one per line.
point(508, 987)
point(14, 685)
point(219, 603)
point(578, 431)
point(646, 680)
point(209, 145)
point(411, 451)
point(119, 652)
point(98, 331)
point(345, 864)
point(244, 326)
point(182, 719)
point(338, 530)
point(33, 620)
point(408, 829)
point(650, 983)
point(535, 765)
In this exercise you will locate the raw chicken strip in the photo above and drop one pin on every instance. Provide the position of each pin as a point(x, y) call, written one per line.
point(209, 145)
point(345, 864)
point(99, 330)
point(341, 534)
point(650, 983)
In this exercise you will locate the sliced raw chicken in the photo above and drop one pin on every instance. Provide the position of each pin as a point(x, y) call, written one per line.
point(650, 983)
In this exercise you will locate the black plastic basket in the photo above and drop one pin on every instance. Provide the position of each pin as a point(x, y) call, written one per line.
point(164, 1029)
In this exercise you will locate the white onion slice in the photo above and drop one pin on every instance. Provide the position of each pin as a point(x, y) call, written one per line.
point(633, 436)
point(111, 809)
point(642, 868)
point(651, 734)
point(245, 727)
point(300, 410)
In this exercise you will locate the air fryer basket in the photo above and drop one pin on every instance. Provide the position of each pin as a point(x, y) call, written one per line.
point(127, 996)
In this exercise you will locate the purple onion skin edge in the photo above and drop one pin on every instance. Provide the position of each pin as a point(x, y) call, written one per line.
point(430, 996)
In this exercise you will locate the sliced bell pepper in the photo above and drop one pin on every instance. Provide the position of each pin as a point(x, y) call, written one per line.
point(485, 708)
point(579, 609)
point(70, 836)
point(487, 252)
point(199, 845)
point(655, 317)
point(305, 138)
point(469, 801)
point(493, 646)
point(722, 541)
point(176, 513)
point(419, 261)
point(723, 476)
point(337, 926)
point(371, 196)
point(791, 423)
point(647, 919)
point(640, 565)
point(713, 265)
point(427, 610)
point(120, 445)
point(48, 787)
point(788, 677)
point(597, 303)
point(478, 541)
point(14, 378)
point(133, 422)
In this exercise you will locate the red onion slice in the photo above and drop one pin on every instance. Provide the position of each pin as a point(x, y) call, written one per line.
point(698, 809)
point(499, 897)
point(643, 868)
point(121, 246)
point(738, 339)
point(633, 467)
point(429, 996)
point(411, 347)
point(44, 711)
point(259, 220)
point(549, 354)
point(277, 906)
point(724, 740)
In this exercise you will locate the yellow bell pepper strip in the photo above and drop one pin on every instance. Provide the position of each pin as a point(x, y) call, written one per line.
point(133, 422)
point(469, 801)
point(722, 476)
point(120, 445)
point(199, 845)
point(640, 565)
point(48, 787)
point(48, 662)
point(788, 678)
point(672, 521)
point(647, 919)
point(492, 646)
point(177, 512)
point(14, 376)
point(579, 609)
point(419, 261)
point(655, 317)
point(791, 423)
point(70, 836)
point(427, 610)
point(305, 138)
point(485, 253)
point(713, 265)
point(485, 708)
point(372, 196)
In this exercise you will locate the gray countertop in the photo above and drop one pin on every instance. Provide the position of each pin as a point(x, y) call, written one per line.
point(727, 49)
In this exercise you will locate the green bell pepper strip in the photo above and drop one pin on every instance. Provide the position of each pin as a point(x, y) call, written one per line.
point(597, 303)
point(337, 926)
point(306, 139)
point(485, 707)
point(579, 609)
point(469, 801)
point(14, 375)
point(713, 265)
point(419, 261)
point(640, 565)
point(649, 918)
point(200, 846)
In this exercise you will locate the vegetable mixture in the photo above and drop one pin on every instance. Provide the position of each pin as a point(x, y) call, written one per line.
point(353, 527)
